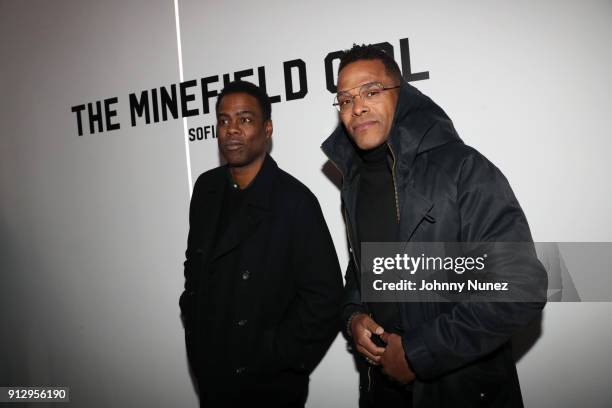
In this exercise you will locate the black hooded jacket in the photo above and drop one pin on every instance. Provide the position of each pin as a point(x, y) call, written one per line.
point(446, 191)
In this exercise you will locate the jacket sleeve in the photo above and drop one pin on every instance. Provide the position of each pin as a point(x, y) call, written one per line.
point(311, 323)
point(351, 299)
point(489, 212)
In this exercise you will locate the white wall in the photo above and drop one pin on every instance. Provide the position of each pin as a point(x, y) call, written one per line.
point(93, 227)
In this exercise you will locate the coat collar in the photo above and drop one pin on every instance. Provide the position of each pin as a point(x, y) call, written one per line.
point(261, 186)
point(258, 205)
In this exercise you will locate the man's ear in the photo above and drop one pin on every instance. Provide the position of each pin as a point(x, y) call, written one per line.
point(268, 128)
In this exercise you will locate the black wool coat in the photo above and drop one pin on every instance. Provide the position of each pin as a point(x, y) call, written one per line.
point(289, 285)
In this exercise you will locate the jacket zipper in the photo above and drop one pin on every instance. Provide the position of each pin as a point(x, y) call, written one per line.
point(397, 211)
point(348, 227)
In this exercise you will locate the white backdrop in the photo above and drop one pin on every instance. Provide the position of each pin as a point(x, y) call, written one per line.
point(93, 228)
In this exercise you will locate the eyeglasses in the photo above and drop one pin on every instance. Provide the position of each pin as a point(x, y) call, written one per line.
point(368, 93)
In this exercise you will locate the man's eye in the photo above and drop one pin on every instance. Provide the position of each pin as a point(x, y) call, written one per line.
point(344, 101)
point(222, 122)
point(246, 120)
point(372, 92)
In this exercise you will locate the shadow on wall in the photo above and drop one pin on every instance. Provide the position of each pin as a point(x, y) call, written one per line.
point(561, 288)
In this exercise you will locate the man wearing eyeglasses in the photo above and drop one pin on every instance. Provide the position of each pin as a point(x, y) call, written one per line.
point(407, 176)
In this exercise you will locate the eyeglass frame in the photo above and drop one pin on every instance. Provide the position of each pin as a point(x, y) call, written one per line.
point(336, 104)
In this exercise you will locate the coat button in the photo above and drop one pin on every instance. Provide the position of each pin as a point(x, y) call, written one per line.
point(240, 370)
point(242, 322)
point(246, 275)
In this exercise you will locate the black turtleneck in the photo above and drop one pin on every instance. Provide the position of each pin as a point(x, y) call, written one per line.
point(377, 218)
point(376, 212)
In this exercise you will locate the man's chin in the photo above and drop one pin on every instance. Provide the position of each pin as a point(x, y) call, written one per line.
point(236, 163)
point(240, 160)
point(233, 161)
point(234, 158)
point(366, 142)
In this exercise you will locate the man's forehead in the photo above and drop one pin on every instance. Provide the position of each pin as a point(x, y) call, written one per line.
point(238, 111)
point(361, 72)
point(239, 104)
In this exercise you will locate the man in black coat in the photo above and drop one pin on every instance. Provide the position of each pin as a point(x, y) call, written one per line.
point(262, 281)
point(408, 177)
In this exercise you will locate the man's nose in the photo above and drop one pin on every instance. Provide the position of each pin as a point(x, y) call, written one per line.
point(359, 108)
point(232, 127)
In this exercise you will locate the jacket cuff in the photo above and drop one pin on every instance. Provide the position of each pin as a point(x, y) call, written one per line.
point(418, 355)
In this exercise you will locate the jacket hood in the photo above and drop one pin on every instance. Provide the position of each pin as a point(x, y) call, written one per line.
point(419, 125)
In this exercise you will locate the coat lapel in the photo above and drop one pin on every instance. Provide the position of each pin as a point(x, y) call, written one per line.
point(212, 200)
point(257, 207)
point(239, 229)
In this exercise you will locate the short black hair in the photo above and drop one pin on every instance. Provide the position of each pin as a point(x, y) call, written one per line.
point(251, 89)
point(371, 52)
